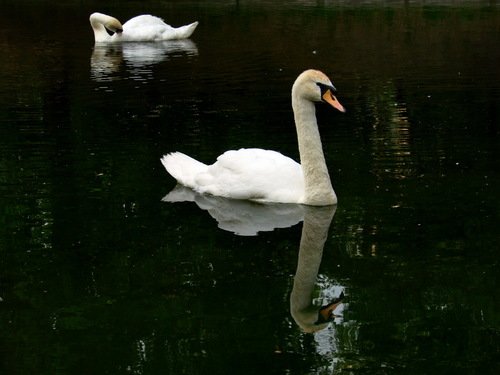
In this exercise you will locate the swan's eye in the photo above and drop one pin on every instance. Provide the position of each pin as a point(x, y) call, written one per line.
point(324, 88)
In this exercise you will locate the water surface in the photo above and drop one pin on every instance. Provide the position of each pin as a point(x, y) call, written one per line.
point(99, 275)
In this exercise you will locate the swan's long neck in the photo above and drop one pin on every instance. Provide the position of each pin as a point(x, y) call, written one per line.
point(318, 187)
point(99, 22)
point(100, 33)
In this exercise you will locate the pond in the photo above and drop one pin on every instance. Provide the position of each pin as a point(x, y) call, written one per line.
point(100, 274)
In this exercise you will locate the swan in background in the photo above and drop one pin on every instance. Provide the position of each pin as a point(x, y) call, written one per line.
point(143, 28)
point(268, 176)
point(242, 218)
point(304, 311)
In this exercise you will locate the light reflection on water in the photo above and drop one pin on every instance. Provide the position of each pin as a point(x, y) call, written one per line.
point(240, 217)
point(391, 134)
point(136, 59)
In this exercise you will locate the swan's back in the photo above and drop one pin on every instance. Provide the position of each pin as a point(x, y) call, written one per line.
point(145, 20)
point(147, 28)
point(151, 28)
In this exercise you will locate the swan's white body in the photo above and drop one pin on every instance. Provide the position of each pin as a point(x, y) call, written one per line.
point(144, 28)
point(264, 175)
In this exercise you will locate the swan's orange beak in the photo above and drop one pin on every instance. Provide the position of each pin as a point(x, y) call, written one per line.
point(329, 98)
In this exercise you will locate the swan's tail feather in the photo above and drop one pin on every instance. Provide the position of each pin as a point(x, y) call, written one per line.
point(183, 168)
point(186, 31)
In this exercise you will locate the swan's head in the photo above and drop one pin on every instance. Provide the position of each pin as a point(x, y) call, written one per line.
point(100, 21)
point(315, 86)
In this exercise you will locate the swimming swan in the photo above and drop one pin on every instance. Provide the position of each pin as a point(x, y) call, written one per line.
point(268, 176)
point(144, 28)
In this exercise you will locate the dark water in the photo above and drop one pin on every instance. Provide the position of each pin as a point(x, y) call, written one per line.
point(98, 275)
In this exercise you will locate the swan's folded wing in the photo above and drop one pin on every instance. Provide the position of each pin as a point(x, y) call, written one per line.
point(143, 21)
point(255, 174)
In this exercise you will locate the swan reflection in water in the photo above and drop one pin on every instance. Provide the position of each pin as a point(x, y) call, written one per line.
point(307, 314)
point(248, 218)
point(107, 59)
point(243, 218)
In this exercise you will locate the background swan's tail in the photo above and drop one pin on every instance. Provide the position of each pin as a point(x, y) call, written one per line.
point(183, 168)
point(186, 30)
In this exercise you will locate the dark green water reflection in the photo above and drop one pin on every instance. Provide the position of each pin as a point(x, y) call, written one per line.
point(99, 275)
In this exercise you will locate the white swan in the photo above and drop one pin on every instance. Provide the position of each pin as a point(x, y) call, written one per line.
point(268, 176)
point(144, 28)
